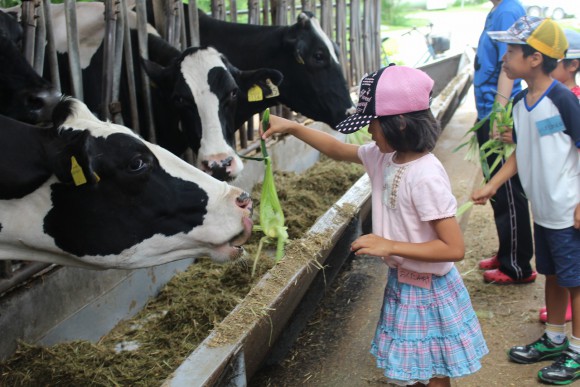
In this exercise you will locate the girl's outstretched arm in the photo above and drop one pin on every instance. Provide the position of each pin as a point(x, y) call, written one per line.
point(509, 169)
point(323, 142)
point(449, 246)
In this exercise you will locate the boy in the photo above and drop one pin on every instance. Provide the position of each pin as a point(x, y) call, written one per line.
point(547, 133)
point(566, 72)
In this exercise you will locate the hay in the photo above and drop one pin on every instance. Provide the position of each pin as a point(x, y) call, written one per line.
point(144, 350)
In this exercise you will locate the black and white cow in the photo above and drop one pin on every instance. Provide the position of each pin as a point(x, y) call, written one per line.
point(313, 85)
point(194, 96)
point(24, 95)
point(94, 194)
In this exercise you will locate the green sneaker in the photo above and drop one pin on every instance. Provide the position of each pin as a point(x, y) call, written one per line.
point(541, 349)
point(565, 369)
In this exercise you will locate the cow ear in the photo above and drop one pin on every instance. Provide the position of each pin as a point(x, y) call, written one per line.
point(266, 79)
point(293, 42)
point(157, 73)
point(69, 155)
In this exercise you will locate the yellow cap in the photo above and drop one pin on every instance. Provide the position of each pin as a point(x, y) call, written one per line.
point(545, 35)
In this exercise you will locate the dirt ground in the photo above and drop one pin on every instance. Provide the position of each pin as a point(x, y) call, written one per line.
point(334, 348)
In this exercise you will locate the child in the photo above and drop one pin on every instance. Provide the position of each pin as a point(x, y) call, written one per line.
point(567, 69)
point(566, 72)
point(428, 330)
point(547, 133)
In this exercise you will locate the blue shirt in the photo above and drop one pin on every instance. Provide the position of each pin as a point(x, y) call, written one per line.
point(489, 54)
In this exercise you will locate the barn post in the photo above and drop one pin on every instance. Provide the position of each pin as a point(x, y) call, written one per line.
point(70, 14)
point(50, 46)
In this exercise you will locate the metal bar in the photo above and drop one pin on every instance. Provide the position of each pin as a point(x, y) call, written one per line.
point(5, 269)
point(39, 39)
point(22, 275)
point(115, 107)
point(70, 14)
point(50, 46)
point(169, 21)
point(108, 58)
point(193, 23)
point(140, 7)
point(29, 27)
point(340, 29)
point(129, 68)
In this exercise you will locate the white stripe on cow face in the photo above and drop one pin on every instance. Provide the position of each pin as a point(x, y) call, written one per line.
point(195, 69)
point(324, 37)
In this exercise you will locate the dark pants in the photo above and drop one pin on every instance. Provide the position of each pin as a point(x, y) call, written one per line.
point(512, 221)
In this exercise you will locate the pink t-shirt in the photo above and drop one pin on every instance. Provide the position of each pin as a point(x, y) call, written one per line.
point(405, 197)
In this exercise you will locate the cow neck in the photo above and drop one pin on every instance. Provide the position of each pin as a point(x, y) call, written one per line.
point(250, 40)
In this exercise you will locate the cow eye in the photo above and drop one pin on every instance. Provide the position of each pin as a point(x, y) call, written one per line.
point(181, 101)
point(319, 56)
point(137, 164)
point(234, 94)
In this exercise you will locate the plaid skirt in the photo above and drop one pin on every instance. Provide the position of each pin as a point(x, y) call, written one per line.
point(427, 333)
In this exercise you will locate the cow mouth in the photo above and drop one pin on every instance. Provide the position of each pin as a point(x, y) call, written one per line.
point(236, 242)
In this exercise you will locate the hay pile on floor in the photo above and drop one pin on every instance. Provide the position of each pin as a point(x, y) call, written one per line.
point(146, 349)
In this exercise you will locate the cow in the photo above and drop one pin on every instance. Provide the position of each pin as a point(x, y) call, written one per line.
point(194, 96)
point(24, 94)
point(93, 194)
point(10, 28)
point(313, 84)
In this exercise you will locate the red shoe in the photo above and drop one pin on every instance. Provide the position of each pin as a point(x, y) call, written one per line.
point(489, 263)
point(497, 277)
point(544, 313)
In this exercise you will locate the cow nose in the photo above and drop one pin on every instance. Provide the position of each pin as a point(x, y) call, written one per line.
point(244, 201)
point(220, 169)
point(43, 104)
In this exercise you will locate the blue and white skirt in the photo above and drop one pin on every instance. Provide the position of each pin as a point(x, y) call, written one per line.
point(427, 333)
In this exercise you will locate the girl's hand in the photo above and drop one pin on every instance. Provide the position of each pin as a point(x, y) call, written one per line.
point(482, 195)
point(577, 217)
point(371, 244)
point(278, 125)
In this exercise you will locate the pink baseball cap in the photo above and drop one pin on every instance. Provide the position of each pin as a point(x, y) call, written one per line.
point(389, 91)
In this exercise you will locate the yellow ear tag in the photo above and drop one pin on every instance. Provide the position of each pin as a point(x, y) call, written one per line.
point(97, 177)
point(274, 91)
point(77, 172)
point(255, 94)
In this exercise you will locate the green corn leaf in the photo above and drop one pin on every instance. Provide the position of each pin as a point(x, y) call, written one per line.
point(271, 214)
point(463, 208)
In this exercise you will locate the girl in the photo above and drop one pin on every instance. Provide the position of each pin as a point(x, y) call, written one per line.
point(428, 331)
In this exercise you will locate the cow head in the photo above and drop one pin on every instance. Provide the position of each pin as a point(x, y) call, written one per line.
point(314, 72)
point(203, 88)
point(24, 95)
point(110, 199)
